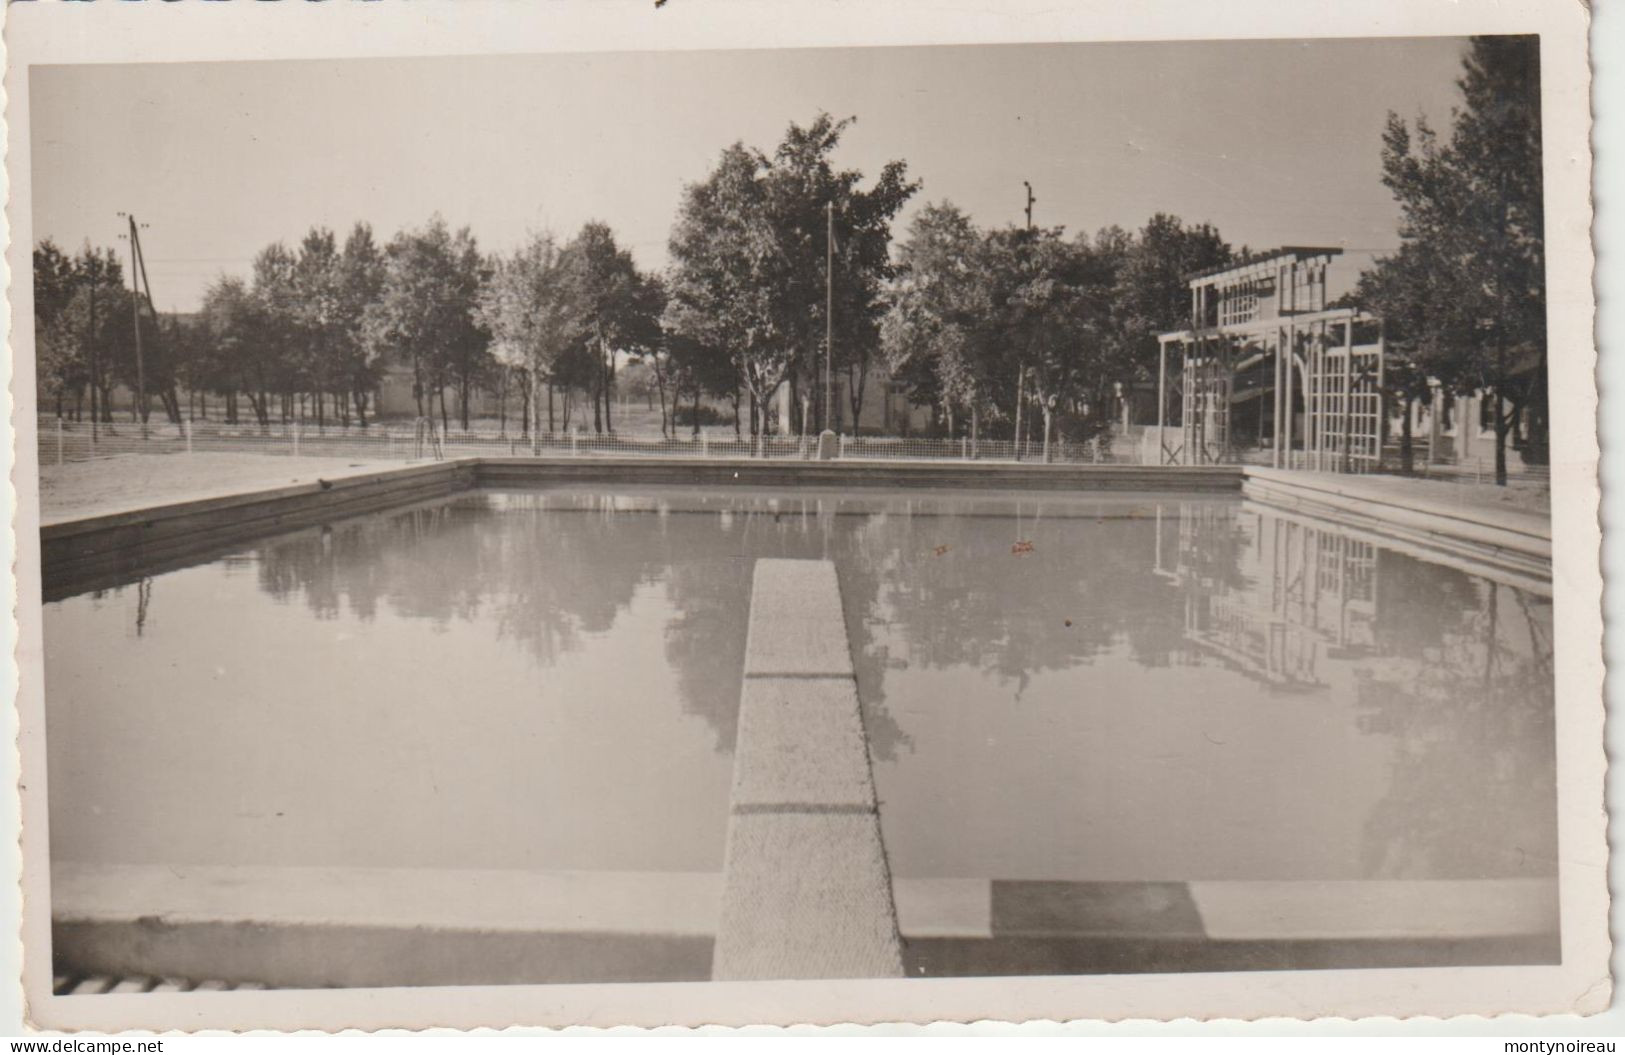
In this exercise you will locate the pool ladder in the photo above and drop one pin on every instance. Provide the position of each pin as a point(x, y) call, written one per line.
point(426, 437)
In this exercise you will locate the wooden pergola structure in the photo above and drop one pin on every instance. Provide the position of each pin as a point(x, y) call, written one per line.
point(1325, 387)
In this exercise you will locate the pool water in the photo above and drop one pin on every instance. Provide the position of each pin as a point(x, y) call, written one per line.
point(1055, 688)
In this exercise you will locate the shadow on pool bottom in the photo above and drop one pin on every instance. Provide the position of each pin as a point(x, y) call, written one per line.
point(982, 957)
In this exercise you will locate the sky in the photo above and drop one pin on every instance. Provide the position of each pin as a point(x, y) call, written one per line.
point(1274, 142)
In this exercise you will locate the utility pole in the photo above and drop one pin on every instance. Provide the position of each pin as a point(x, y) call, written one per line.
point(1021, 372)
point(95, 364)
point(135, 290)
point(152, 306)
point(829, 311)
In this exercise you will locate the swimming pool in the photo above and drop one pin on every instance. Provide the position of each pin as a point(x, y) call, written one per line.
point(1063, 695)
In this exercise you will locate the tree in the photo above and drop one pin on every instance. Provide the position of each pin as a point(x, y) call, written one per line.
point(1118, 364)
point(275, 347)
point(138, 356)
point(1152, 294)
point(988, 322)
point(242, 338)
point(806, 196)
point(931, 333)
point(361, 272)
point(85, 332)
point(1398, 289)
point(720, 288)
point(527, 308)
point(749, 251)
point(425, 313)
point(317, 347)
point(646, 342)
point(465, 357)
point(1044, 326)
point(611, 306)
point(82, 327)
point(1466, 292)
point(56, 279)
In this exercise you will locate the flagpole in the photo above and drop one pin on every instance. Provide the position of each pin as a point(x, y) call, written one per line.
point(829, 312)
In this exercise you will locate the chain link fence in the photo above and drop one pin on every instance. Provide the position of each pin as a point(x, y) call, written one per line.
point(62, 441)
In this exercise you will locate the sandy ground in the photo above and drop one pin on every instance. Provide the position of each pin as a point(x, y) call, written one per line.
point(105, 485)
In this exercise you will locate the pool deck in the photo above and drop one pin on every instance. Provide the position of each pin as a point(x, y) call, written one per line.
point(1508, 544)
point(306, 927)
point(297, 927)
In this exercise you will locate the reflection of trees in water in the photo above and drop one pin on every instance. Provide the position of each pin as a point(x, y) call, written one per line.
point(1456, 670)
point(712, 558)
point(1085, 586)
point(547, 580)
point(1467, 696)
point(421, 560)
point(1463, 686)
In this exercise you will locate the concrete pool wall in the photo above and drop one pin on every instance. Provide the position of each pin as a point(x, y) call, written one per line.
point(85, 552)
point(82, 553)
point(1505, 544)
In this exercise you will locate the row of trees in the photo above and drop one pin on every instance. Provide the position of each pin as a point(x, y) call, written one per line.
point(309, 334)
point(295, 339)
point(86, 323)
point(980, 325)
point(984, 326)
point(783, 262)
point(997, 323)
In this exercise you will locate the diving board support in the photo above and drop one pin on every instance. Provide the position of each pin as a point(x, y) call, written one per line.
point(806, 889)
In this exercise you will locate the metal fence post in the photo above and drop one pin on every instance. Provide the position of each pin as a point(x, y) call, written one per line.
point(186, 427)
point(59, 441)
point(293, 430)
point(573, 452)
point(705, 445)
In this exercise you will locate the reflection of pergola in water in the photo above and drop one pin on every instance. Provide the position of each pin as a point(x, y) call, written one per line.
point(1311, 592)
point(1262, 329)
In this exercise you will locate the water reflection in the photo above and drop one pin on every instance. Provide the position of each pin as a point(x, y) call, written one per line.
point(1055, 687)
point(1453, 671)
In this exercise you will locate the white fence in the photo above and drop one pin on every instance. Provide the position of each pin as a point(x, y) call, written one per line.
point(62, 441)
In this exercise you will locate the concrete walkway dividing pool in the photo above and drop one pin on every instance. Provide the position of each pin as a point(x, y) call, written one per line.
point(806, 890)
